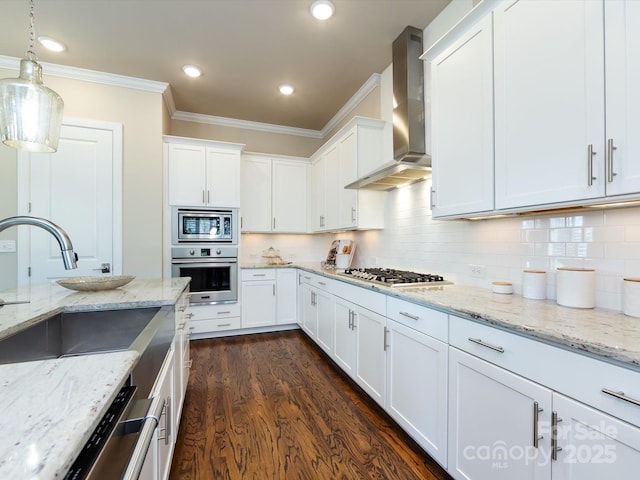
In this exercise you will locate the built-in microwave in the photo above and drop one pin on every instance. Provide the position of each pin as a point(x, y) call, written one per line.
point(204, 225)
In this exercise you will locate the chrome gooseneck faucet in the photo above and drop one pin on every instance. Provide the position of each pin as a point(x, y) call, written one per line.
point(69, 257)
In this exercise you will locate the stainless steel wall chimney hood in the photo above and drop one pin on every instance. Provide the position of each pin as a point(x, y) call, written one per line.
point(411, 163)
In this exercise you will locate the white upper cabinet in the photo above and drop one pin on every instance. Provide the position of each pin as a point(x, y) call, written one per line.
point(358, 145)
point(462, 118)
point(203, 173)
point(622, 61)
point(274, 194)
point(549, 102)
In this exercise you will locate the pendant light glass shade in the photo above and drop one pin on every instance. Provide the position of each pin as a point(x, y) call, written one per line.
point(30, 112)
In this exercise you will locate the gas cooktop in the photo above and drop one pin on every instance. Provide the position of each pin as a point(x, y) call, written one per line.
point(395, 278)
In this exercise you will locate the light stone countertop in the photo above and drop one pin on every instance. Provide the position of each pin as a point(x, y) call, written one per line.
point(607, 334)
point(50, 407)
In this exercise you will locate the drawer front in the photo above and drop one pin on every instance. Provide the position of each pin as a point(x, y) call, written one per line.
point(209, 312)
point(258, 274)
point(214, 325)
point(579, 376)
point(426, 320)
point(363, 297)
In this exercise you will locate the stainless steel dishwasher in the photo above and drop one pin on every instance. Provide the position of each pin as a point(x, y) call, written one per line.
point(118, 446)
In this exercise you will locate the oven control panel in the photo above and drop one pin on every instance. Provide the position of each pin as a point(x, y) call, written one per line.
point(194, 251)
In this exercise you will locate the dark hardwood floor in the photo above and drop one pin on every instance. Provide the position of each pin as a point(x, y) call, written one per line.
point(272, 406)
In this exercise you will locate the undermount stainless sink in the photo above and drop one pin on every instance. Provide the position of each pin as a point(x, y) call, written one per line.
point(77, 333)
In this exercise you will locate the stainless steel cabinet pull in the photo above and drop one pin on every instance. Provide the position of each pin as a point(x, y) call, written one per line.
point(274, 289)
point(226, 312)
point(188, 315)
point(554, 436)
point(307, 278)
point(224, 325)
point(350, 319)
point(536, 412)
point(322, 283)
point(274, 223)
point(353, 214)
point(386, 345)
point(259, 275)
point(412, 317)
point(621, 396)
point(485, 344)
point(208, 196)
point(182, 308)
point(610, 148)
point(433, 196)
point(203, 198)
point(590, 154)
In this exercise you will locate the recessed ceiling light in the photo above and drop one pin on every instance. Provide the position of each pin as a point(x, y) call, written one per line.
point(286, 89)
point(192, 71)
point(322, 9)
point(51, 44)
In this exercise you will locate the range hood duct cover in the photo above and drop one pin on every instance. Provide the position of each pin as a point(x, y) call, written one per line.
point(411, 164)
point(408, 97)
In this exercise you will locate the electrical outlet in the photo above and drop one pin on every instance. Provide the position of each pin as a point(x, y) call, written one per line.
point(477, 271)
point(7, 246)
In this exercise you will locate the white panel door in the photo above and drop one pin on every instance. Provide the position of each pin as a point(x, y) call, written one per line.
point(622, 57)
point(345, 337)
point(187, 175)
point(223, 178)
point(492, 422)
point(462, 114)
point(74, 188)
point(549, 102)
point(289, 196)
point(371, 357)
point(258, 303)
point(348, 174)
point(332, 189)
point(594, 445)
point(255, 213)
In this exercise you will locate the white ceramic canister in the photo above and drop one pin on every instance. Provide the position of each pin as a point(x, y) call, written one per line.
point(534, 284)
point(505, 288)
point(631, 297)
point(576, 287)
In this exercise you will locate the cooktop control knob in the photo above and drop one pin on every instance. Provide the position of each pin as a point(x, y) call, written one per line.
point(218, 251)
point(192, 252)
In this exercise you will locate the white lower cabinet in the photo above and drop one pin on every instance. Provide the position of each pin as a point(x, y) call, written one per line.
point(286, 296)
point(344, 353)
point(324, 306)
point(258, 297)
point(166, 428)
point(493, 417)
point(591, 445)
point(417, 387)
point(309, 315)
point(182, 355)
point(371, 359)
point(208, 320)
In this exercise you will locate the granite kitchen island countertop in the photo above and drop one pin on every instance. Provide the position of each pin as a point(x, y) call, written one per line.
point(50, 407)
point(608, 334)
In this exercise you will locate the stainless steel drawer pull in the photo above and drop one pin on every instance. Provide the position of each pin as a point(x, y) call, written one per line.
point(412, 317)
point(610, 148)
point(536, 412)
point(224, 325)
point(182, 308)
point(621, 396)
point(555, 419)
point(322, 283)
point(259, 275)
point(188, 315)
point(226, 312)
point(590, 154)
point(485, 344)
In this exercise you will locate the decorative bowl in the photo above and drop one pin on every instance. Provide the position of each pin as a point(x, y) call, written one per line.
point(95, 284)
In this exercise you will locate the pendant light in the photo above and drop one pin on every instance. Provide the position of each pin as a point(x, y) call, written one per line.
point(30, 112)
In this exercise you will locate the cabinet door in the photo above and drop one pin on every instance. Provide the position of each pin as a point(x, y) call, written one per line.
point(255, 214)
point(492, 422)
point(594, 446)
point(309, 312)
point(549, 102)
point(417, 387)
point(622, 57)
point(332, 189)
point(187, 174)
point(258, 303)
point(325, 313)
point(348, 173)
point(344, 352)
point(317, 181)
point(462, 107)
point(223, 178)
point(371, 356)
point(166, 429)
point(286, 304)
point(289, 196)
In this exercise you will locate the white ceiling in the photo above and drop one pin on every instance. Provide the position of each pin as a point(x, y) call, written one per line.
point(246, 48)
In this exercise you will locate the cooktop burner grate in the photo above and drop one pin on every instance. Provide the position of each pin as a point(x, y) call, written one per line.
point(396, 278)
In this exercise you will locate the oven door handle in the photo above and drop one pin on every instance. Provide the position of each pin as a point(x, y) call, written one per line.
point(204, 261)
point(145, 438)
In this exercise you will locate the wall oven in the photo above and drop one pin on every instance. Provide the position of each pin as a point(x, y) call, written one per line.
point(213, 270)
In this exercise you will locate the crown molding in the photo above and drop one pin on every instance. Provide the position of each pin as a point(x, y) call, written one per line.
point(369, 86)
point(245, 124)
point(53, 69)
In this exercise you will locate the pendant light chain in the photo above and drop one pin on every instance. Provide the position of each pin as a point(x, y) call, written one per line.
point(32, 34)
